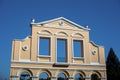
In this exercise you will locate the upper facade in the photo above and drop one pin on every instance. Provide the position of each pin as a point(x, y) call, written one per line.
point(63, 31)
point(58, 43)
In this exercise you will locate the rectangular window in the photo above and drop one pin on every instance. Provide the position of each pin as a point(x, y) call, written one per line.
point(77, 48)
point(44, 46)
point(61, 50)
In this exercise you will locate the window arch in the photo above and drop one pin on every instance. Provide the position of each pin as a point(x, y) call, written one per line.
point(25, 76)
point(62, 34)
point(95, 77)
point(61, 76)
point(44, 76)
point(45, 32)
point(78, 77)
point(77, 35)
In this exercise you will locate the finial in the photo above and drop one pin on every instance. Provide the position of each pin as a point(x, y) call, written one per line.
point(87, 26)
point(33, 21)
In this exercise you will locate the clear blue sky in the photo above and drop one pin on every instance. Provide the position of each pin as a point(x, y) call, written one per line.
point(102, 17)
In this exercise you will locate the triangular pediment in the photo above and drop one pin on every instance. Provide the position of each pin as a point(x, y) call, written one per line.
point(60, 22)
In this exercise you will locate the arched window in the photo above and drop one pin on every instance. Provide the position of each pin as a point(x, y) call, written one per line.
point(78, 77)
point(94, 77)
point(24, 76)
point(61, 76)
point(43, 76)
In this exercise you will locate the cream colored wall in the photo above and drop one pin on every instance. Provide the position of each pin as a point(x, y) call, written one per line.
point(25, 54)
point(67, 31)
point(53, 36)
point(98, 57)
point(53, 72)
point(17, 49)
point(54, 30)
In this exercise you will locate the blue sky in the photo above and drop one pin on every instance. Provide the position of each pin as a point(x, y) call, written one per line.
point(102, 17)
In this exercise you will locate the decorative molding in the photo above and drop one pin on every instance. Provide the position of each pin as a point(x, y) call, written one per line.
point(44, 56)
point(72, 64)
point(25, 47)
point(78, 58)
point(60, 18)
point(45, 32)
point(82, 58)
point(24, 60)
point(87, 69)
point(94, 63)
point(50, 47)
point(94, 52)
point(79, 35)
point(61, 34)
point(61, 23)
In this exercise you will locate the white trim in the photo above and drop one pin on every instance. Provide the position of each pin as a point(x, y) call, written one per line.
point(68, 56)
point(79, 58)
point(89, 69)
point(44, 56)
point(24, 60)
point(61, 18)
point(25, 47)
point(73, 49)
point(19, 54)
point(81, 36)
point(50, 46)
point(59, 27)
point(94, 63)
point(13, 50)
point(58, 34)
point(71, 64)
point(65, 38)
point(40, 32)
point(94, 52)
point(31, 62)
point(92, 42)
point(61, 63)
point(99, 55)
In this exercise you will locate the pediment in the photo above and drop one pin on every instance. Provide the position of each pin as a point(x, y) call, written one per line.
point(60, 23)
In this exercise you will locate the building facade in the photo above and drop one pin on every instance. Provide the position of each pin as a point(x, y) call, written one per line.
point(57, 49)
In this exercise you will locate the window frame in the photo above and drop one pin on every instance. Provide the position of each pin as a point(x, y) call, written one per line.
point(50, 46)
point(67, 56)
point(82, 48)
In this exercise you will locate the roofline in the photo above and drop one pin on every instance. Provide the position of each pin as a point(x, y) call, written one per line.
point(95, 44)
point(43, 22)
point(22, 39)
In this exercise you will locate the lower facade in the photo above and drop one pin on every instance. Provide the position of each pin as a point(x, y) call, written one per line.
point(46, 72)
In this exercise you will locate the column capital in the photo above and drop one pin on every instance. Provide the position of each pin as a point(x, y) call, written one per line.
point(71, 78)
point(14, 77)
point(53, 78)
point(87, 78)
point(34, 78)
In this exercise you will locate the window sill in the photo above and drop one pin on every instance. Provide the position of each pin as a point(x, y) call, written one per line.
point(44, 56)
point(60, 64)
point(79, 58)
